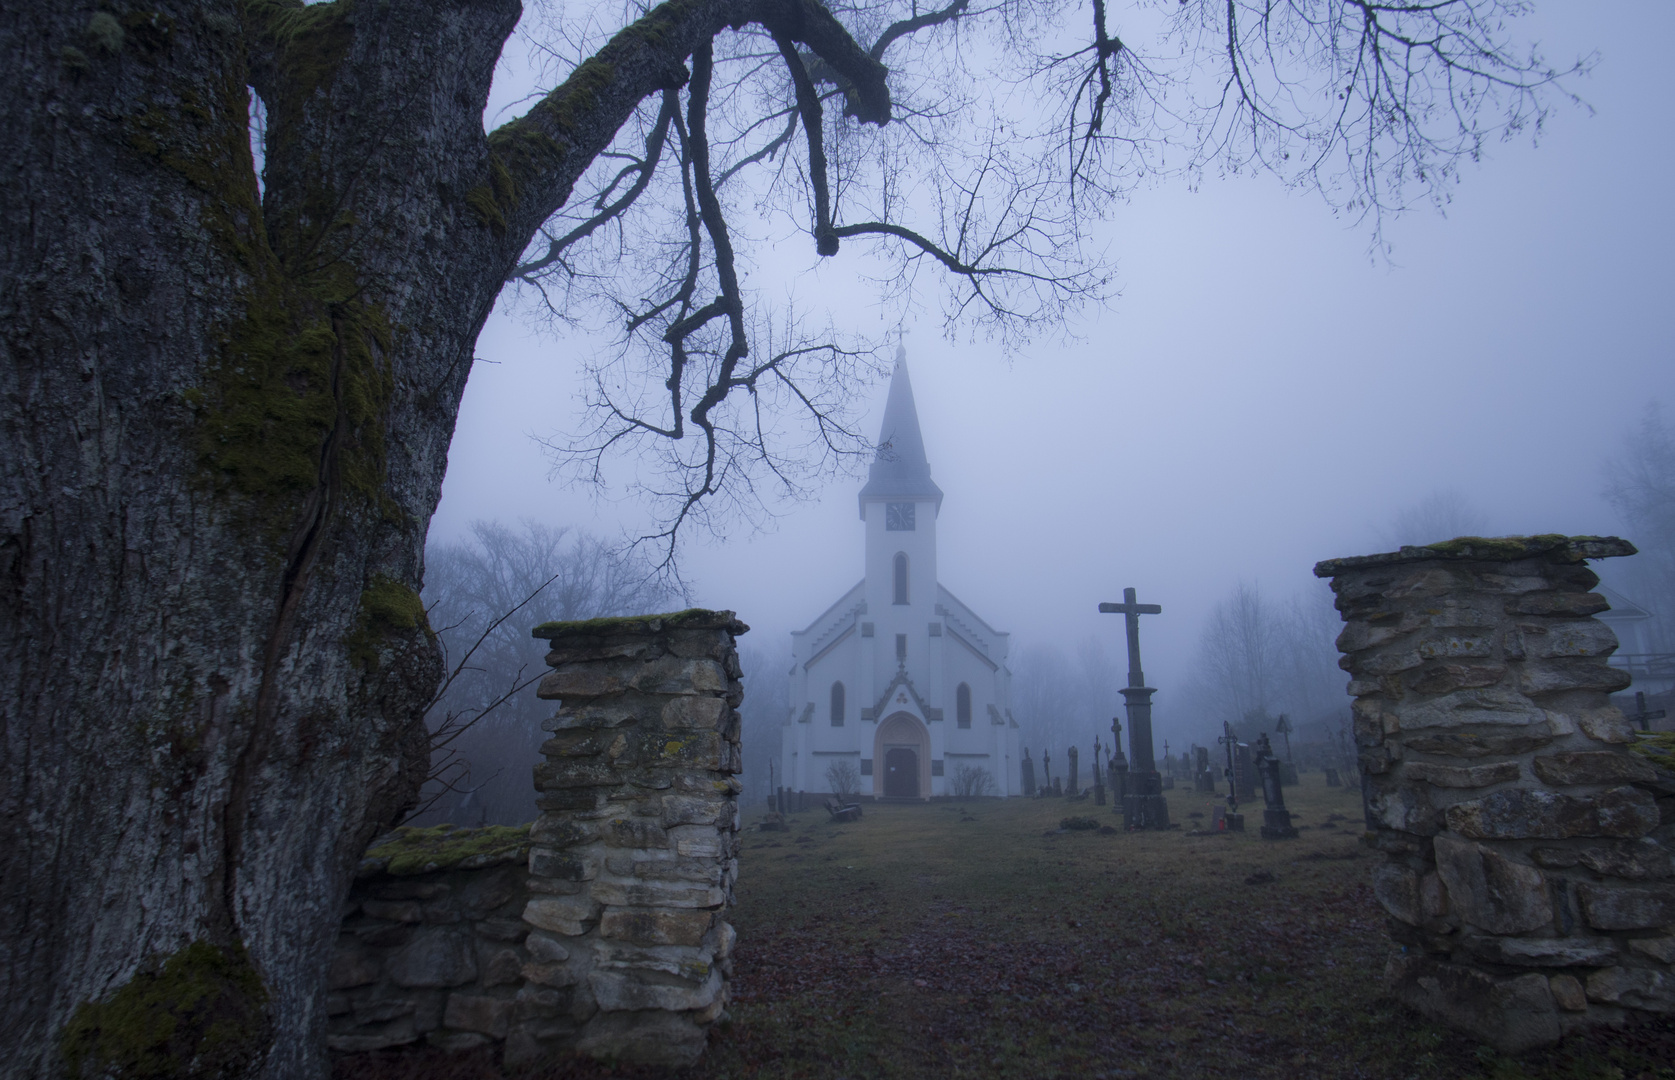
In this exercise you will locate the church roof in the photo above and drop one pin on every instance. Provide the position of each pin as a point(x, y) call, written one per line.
point(899, 468)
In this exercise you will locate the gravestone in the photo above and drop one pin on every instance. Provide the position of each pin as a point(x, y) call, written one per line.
point(1244, 772)
point(1070, 787)
point(1057, 790)
point(1028, 768)
point(1276, 819)
point(1098, 777)
point(1332, 778)
point(1204, 779)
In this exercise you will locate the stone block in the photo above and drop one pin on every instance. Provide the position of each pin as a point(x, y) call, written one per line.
point(697, 842)
point(1513, 1015)
point(658, 894)
point(1661, 949)
point(1403, 808)
point(457, 1042)
point(561, 831)
point(406, 911)
point(1593, 767)
point(654, 926)
point(1635, 860)
point(1637, 988)
point(619, 991)
point(583, 680)
point(701, 713)
point(1568, 993)
point(399, 1035)
point(655, 1038)
point(586, 650)
point(673, 675)
point(1396, 888)
point(1469, 745)
point(569, 915)
point(630, 832)
point(570, 865)
point(435, 957)
point(546, 948)
point(1580, 637)
point(588, 713)
point(1522, 814)
point(1560, 673)
point(1606, 724)
point(1627, 907)
point(1557, 603)
point(503, 968)
point(570, 800)
point(1490, 891)
point(574, 773)
point(1473, 708)
point(1467, 642)
point(579, 743)
point(1544, 952)
point(1456, 776)
point(489, 1016)
point(1445, 678)
point(688, 810)
point(352, 967)
point(558, 975)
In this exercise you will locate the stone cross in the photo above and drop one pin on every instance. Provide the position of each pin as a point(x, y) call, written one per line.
point(1073, 779)
point(1143, 804)
point(1641, 715)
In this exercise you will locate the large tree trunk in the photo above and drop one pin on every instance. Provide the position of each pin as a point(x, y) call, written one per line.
point(226, 421)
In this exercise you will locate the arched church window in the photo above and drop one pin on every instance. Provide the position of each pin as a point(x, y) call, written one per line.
point(837, 704)
point(962, 705)
point(900, 592)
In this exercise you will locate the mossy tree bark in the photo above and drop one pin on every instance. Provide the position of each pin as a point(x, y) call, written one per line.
point(225, 419)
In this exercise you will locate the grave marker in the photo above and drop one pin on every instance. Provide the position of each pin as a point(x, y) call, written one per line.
point(1143, 803)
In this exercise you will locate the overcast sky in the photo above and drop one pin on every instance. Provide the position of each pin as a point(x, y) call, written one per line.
point(1263, 394)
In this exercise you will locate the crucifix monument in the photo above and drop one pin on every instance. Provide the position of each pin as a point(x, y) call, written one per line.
point(1143, 806)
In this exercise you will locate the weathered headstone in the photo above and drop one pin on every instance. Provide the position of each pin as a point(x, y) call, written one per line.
point(1332, 778)
point(1028, 769)
point(1527, 872)
point(1070, 787)
point(1276, 819)
point(1244, 772)
point(1204, 779)
point(1098, 777)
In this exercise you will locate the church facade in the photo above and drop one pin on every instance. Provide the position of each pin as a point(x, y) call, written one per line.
point(899, 677)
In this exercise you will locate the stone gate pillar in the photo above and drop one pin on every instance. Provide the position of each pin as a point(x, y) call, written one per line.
point(634, 855)
point(1528, 870)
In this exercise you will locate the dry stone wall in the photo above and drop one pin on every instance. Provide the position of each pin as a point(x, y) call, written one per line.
point(1528, 874)
point(600, 929)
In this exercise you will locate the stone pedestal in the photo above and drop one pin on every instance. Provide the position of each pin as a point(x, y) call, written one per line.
point(1143, 805)
point(1527, 875)
point(633, 858)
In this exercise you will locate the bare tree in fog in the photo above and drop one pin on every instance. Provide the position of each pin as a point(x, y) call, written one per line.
point(1441, 515)
point(1257, 659)
point(767, 701)
point(484, 596)
point(1640, 484)
point(1061, 699)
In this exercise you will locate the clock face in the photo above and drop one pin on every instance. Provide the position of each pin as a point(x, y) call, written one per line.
point(898, 517)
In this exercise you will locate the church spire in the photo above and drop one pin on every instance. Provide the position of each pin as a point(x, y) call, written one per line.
point(900, 469)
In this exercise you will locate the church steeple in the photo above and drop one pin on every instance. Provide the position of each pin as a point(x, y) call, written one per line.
point(900, 469)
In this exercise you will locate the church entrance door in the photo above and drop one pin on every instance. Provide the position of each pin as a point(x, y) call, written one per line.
point(901, 773)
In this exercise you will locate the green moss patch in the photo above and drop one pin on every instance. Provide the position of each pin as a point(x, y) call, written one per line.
point(388, 608)
point(201, 1013)
point(691, 618)
point(1659, 749)
point(410, 850)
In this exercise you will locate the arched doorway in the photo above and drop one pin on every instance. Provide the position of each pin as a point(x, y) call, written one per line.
point(903, 752)
point(901, 773)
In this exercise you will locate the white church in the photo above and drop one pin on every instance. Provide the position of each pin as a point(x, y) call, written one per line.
point(898, 676)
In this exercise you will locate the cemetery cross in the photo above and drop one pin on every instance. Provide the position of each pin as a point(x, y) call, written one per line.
point(1642, 715)
point(1143, 804)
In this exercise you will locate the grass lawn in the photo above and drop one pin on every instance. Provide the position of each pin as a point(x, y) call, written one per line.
point(976, 940)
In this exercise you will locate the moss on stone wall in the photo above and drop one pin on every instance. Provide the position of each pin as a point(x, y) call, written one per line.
point(631, 624)
point(1659, 749)
point(411, 850)
point(388, 608)
point(200, 1013)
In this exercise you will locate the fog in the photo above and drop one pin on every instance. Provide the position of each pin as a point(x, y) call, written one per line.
point(1266, 392)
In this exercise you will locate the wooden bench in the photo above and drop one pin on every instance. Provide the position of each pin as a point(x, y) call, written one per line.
point(843, 811)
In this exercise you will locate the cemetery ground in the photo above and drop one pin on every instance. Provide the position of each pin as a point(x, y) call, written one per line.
point(976, 939)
